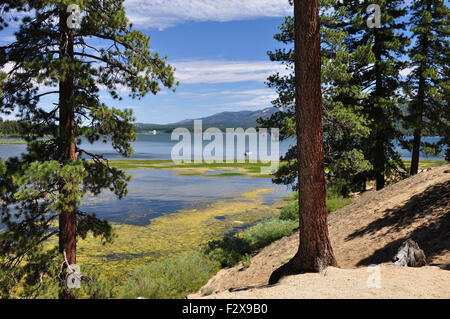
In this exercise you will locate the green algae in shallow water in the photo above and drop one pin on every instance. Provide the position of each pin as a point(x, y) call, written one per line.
point(171, 235)
point(11, 142)
point(224, 175)
point(426, 163)
point(193, 169)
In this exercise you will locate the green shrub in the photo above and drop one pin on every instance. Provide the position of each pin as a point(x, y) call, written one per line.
point(207, 291)
point(265, 233)
point(230, 250)
point(246, 260)
point(177, 277)
point(334, 202)
point(337, 202)
point(290, 211)
point(227, 251)
point(291, 197)
point(171, 278)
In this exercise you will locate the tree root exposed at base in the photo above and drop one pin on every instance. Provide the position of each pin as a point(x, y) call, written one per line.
point(297, 266)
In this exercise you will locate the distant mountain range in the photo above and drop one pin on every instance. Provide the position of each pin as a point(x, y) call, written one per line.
point(221, 120)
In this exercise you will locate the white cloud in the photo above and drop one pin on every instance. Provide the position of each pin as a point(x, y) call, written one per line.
point(191, 72)
point(263, 100)
point(407, 71)
point(250, 98)
point(255, 92)
point(162, 14)
point(238, 99)
point(8, 67)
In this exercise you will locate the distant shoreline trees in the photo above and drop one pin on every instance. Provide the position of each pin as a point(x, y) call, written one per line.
point(11, 129)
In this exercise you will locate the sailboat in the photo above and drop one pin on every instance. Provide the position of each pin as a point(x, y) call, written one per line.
point(154, 132)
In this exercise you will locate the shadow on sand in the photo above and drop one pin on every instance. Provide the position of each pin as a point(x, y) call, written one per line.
point(432, 207)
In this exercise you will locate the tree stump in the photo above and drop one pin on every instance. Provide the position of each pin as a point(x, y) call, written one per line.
point(410, 255)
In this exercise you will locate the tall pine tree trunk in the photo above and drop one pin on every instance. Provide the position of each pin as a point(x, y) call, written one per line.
point(418, 114)
point(67, 218)
point(419, 106)
point(416, 152)
point(315, 252)
point(379, 151)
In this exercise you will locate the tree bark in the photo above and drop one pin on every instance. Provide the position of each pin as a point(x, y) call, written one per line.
point(419, 106)
point(380, 157)
point(418, 120)
point(67, 218)
point(379, 164)
point(314, 252)
point(416, 152)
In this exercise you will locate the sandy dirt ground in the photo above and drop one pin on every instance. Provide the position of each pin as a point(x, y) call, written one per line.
point(390, 282)
point(365, 233)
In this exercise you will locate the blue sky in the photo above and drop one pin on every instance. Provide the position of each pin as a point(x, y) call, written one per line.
point(219, 49)
point(221, 66)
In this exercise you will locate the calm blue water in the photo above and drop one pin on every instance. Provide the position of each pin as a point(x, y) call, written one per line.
point(146, 147)
point(431, 139)
point(153, 193)
point(160, 146)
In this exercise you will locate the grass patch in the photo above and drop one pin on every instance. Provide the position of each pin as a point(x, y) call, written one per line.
point(290, 211)
point(426, 163)
point(334, 202)
point(230, 250)
point(227, 251)
point(12, 142)
point(196, 169)
point(176, 277)
point(207, 291)
point(224, 175)
point(172, 278)
point(263, 234)
point(190, 174)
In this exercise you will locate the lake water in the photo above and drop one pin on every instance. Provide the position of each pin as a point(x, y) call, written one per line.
point(157, 146)
point(153, 193)
point(160, 146)
point(428, 139)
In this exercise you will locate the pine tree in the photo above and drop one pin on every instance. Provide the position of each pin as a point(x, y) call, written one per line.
point(315, 252)
point(427, 85)
point(377, 69)
point(41, 191)
point(344, 123)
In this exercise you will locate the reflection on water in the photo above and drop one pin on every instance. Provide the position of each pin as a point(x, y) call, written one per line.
point(153, 193)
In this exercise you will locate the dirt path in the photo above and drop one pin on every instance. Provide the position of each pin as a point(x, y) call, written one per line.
point(364, 233)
